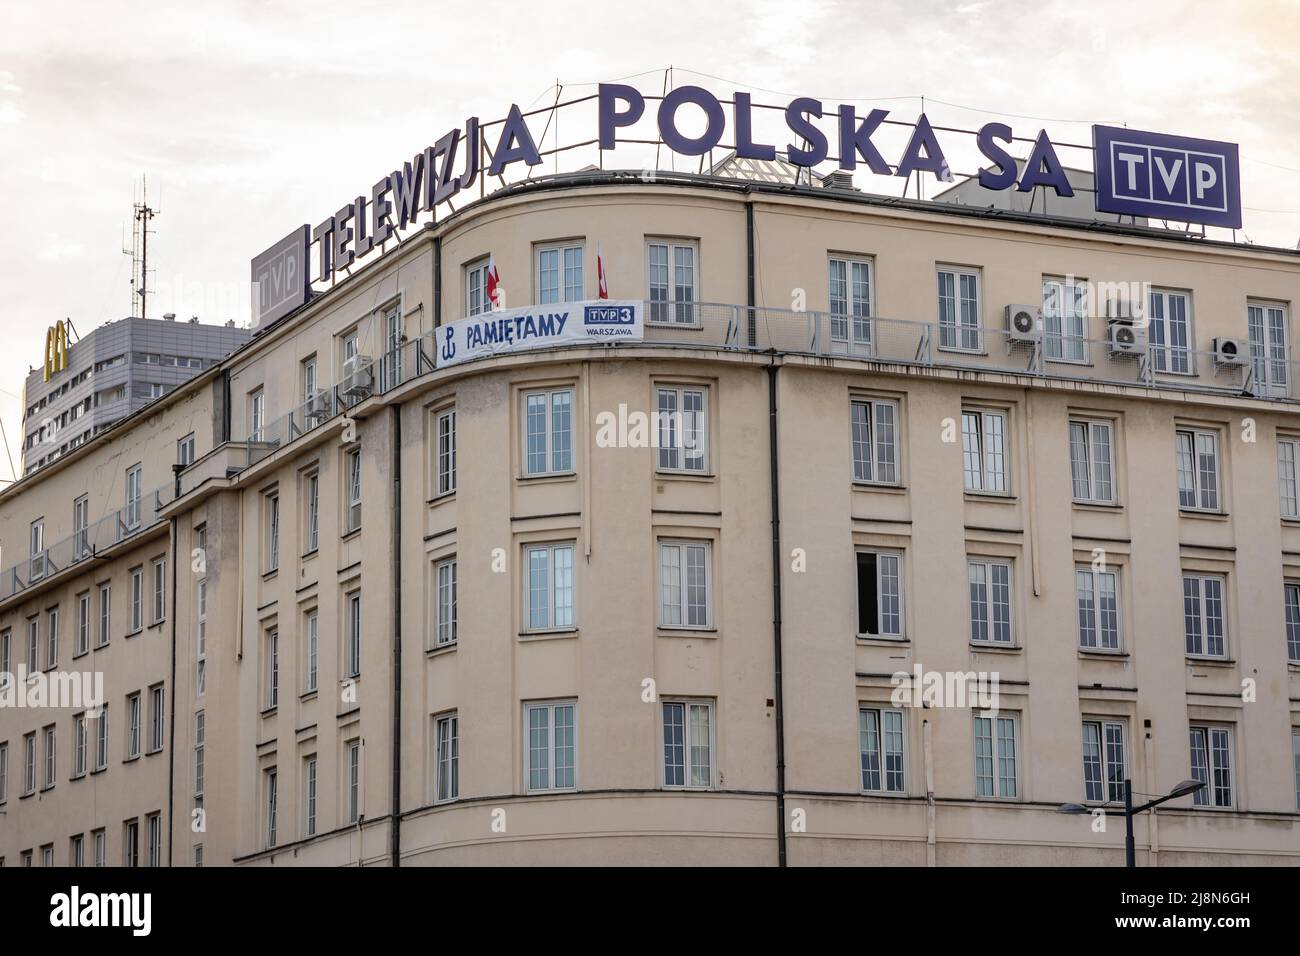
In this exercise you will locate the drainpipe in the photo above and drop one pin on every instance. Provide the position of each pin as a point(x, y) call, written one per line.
point(396, 849)
point(751, 320)
point(929, 793)
point(171, 713)
point(779, 697)
point(437, 282)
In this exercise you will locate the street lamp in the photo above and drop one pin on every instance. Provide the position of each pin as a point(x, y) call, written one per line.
point(1130, 811)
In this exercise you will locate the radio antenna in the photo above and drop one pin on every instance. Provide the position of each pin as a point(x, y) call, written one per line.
point(142, 214)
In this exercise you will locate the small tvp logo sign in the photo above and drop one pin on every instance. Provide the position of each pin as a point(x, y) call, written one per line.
point(1167, 177)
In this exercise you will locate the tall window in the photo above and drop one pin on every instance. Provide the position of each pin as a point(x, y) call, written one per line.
point(390, 365)
point(155, 839)
point(445, 625)
point(671, 270)
point(1198, 469)
point(256, 415)
point(4, 771)
point(1092, 468)
point(875, 452)
point(1169, 332)
point(984, 450)
point(313, 513)
point(6, 657)
point(200, 742)
point(80, 528)
point(101, 738)
point(137, 599)
point(312, 650)
point(352, 656)
point(850, 300)
point(1098, 602)
point(447, 451)
point(550, 587)
point(1269, 350)
point(1292, 603)
point(353, 461)
point(272, 668)
point(185, 450)
point(476, 300)
point(77, 851)
point(548, 436)
point(105, 611)
point(1295, 758)
point(51, 638)
point(201, 637)
point(101, 847)
point(559, 274)
point(79, 745)
point(37, 552)
point(685, 575)
point(133, 492)
point(683, 429)
point(309, 795)
point(272, 532)
point(308, 378)
point(83, 622)
point(271, 788)
point(33, 644)
point(353, 769)
point(552, 746)
point(882, 750)
point(157, 718)
point(880, 594)
point(159, 590)
point(351, 346)
point(1204, 615)
point(990, 601)
point(1103, 760)
point(1065, 310)
point(959, 309)
point(29, 763)
point(1211, 748)
point(447, 784)
point(49, 757)
point(1288, 476)
point(133, 726)
point(995, 757)
point(688, 743)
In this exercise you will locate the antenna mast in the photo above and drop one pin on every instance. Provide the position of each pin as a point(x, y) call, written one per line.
point(141, 215)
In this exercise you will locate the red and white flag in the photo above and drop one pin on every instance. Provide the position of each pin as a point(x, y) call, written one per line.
point(493, 281)
point(602, 280)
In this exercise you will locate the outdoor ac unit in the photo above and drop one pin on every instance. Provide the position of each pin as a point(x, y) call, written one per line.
point(1232, 353)
point(318, 404)
point(358, 376)
point(1123, 338)
point(1024, 323)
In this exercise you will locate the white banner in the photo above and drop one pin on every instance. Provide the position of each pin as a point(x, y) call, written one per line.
point(531, 327)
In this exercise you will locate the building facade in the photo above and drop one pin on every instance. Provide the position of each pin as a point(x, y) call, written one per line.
point(487, 614)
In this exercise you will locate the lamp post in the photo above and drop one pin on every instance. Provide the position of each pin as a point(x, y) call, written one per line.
point(1130, 811)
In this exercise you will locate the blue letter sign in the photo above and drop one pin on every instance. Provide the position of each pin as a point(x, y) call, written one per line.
point(1167, 177)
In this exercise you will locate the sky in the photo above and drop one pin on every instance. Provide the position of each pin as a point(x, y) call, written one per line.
point(248, 117)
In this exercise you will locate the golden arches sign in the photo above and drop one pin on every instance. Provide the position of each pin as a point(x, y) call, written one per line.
point(56, 349)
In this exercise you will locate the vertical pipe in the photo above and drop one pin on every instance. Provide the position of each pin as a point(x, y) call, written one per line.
point(928, 746)
point(171, 715)
point(1130, 851)
point(778, 691)
point(396, 571)
point(751, 321)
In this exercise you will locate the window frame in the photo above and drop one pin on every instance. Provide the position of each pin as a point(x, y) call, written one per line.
point(676, 447)
point(1112, 788)
point(157, 719)
point(1263, 349)
point(683, 583)
point(880, 634)
point(988, 563)
point(352, 635)
point(1090, 462)
point(550, 706)
point(981, 415)
point(1198, 490)
point(1203, 617)
point(961, 329)
point(563, 289)
point(444, 602)
point(996, 756)
point(882, 754)
point(444, 451)
point(548, 432)
point(1291, 618)
point(446, 760)
point(673, 304)
point(352, 492)
point(550, 548)
point(1207, 797)
point(851, 324)
point(688, 766)
point(159, 568)
point(873, 444)
point(1072, 292)
point(1162, 354)
point(1095, 575)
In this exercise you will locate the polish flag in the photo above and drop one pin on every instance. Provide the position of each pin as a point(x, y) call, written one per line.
point(493, 280)
point(602, 280)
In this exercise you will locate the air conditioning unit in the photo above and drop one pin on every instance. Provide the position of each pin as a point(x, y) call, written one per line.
point(1024, 323)
point(1122, 338)
point(1231, 353)
point(318, 405)
point(358, 377)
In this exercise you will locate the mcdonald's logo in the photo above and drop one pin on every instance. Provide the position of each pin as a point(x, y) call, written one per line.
point(56, 349)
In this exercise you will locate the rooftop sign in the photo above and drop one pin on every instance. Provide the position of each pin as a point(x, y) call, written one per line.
point(1167, 177)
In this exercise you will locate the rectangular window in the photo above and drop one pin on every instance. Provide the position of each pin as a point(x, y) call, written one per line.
point(959, 309)
point(101, 738)
point(1103, 760)
point(880, 594)
point(131, 843)
point(353, 461)
point(105, 612)
point(51, 638)
point(351, 348)
point(37, 565)
point(552, 746)
point(6, 657)
point(990, 601)
point(447, 785)
point(559, 274)
point(272, 669)
point(1098, 602)
point(1092, 468)
point(29, 763)
point(995, 757)
point(447, 451)
point(77, 851)
point(133, 492)
point(1169, 332)
point(549, 599)
point(352, 656)
point(157, 719)
point(984, 450)
point(476, 283)
point(256, 415)
point(445, 625)
point(49, 758)
point(312, 651)
point(1269, 352)
point(875, 454)
point(159, 590)
point(80, 528)
point(185, 451)
point(353, 764)
point(33, 644)
point(308, 378)
point(47, 855)
point(4, 771)
point(683, 429)
point(272, 532)
point(79, 745)
point(1198, 469)
point(155, 839)
point(309, 796)
point(671, 271)
point(101, 847)
point(137, 599)
point(83, 622)
point(1288, 475)
point(1295, 759)
point(271, 788)
point(688, 744)
point(685, 569)
point(548, 433)
point(1065, 322)
point(882, 747)
point(132, 726)
point(201, 637)
point(200, 743)
point(313, 513)
point(1211, 748)
point(390, 364)
point(850, 301)
point(1291, 600)
point(1205, 615)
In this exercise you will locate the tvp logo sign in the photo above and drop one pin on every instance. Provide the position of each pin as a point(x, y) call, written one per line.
point(1167, 177)
point(280, 279)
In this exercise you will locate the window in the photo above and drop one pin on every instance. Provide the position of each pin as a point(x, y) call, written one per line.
point(445, 608)
point(201, 637)
point(1211, 748)
point(272, 532)
point(559, 274)
point(27, 859)
point(1204, 616)
point(132, 726)
point(312, 523)
point(447, 451)
point(29, 763)
point(350, 349)
point(77, 851)
point(390, 364)
point(272, 669)
point(476, 283)
point(309, 795)
point(959, 309)
point(447, 784)
point(51, 638)
point(270, 786)
point(882, 747)
point(80, 526)
point(548, 435)
point(1291, 592)
point(6, 657)
point(79, 745)
point(47, 855)
point(990, 601)
point(1103, 760)
point(688, 744)
point(549, 595)
point(137, 599)
point(1168, 332)
point(200, 742)
point(133, 475)
point(308, 378)
point(37, 565)
point(353, 462)
point(352, 657)
point(101, 738)
point(105, 612)
point(312, 650)
point(185, 451)
point(1098, 597)
point(1295, 757)
point(671, 272)
point(683, 429)
point(157, 718)
point(131, 843)
point(33, 644)
point(1198, 469)
point(1092, 469)
point(875, 456)
point(49, 758)
point(850, 300)
point(155, 839)
point(1269, 353)
point(101, 847)
point(256, 414)
point(4, 771)
point(685, 575)
point(880, 594)
point(552, 747)
point(353, 763)
point(984, 450)
point(83, 622)
point(1065, 310)
point(995, 757)
point(159, 590)
point(1288, 475)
